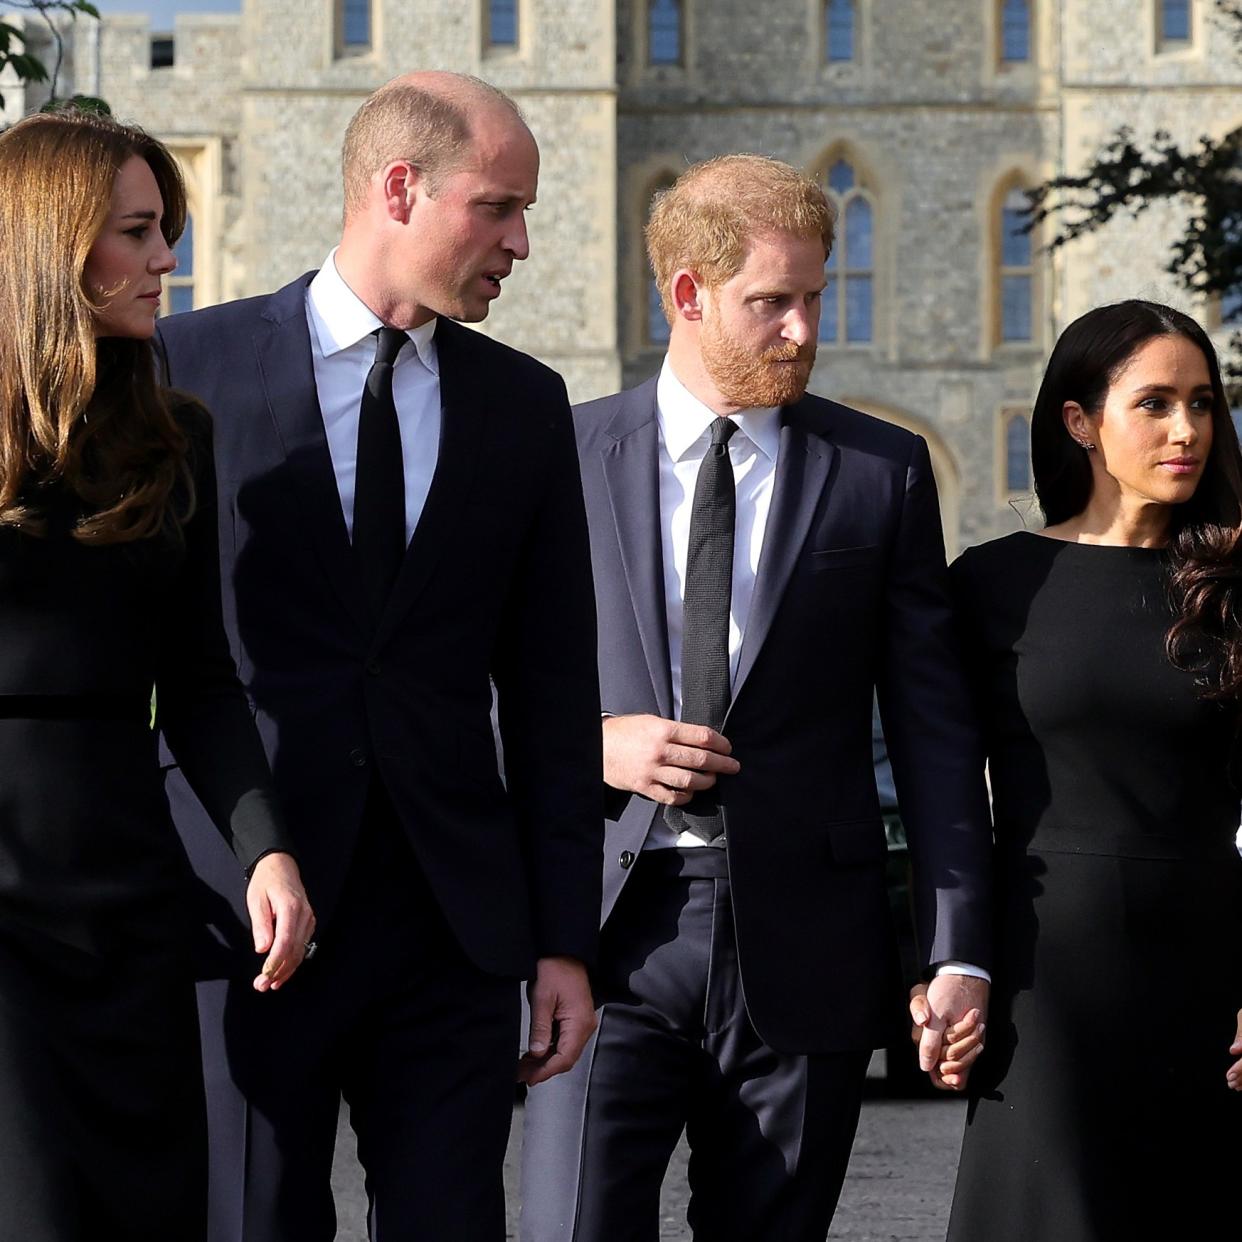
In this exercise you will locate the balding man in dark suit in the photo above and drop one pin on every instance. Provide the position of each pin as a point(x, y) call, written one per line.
point(401, 527)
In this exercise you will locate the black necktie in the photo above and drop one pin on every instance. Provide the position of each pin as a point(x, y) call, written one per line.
point(379, 484)
point(705, 612)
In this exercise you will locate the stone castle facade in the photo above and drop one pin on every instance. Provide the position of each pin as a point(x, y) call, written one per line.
point(922, 116)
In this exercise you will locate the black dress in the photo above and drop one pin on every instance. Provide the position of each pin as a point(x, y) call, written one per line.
point(102, 1129)
point(1100, 1110)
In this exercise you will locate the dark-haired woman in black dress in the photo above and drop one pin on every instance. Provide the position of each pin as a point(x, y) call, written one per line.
point(1107, 658)
point(109, 587)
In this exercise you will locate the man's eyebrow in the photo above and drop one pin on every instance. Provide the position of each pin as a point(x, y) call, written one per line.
point(502, 196)
point(780, 293)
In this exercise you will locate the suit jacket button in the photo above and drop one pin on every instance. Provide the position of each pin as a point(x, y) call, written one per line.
point(358, 757)
point(626, 860)
point(373, 667)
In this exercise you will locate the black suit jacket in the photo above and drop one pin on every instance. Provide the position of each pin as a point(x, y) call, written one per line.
point(850, 597)
point(495, 585)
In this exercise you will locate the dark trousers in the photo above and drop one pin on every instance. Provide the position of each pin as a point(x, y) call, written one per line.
point(769, 1134)
point(391, 1015)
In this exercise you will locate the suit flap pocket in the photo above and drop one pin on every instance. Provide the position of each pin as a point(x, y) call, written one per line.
point(839, 558)
point(857, 842)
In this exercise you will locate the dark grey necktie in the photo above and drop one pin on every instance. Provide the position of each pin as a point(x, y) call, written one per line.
point(705, 610)
point(379, 484)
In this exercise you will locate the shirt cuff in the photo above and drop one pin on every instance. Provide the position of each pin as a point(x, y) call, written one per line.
point(962, 968)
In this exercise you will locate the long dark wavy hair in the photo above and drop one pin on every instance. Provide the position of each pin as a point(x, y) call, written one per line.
point(78, 412)
point(1205, 533)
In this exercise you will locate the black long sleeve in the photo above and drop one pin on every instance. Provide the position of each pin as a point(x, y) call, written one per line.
point(202, 709)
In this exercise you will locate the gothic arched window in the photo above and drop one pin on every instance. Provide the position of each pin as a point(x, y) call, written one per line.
point(655, 325)
point(848, 311)
point(179, 284)
point(1015, 272)
point(1017, 445)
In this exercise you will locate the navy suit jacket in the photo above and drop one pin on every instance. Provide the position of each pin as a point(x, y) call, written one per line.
point(850, 598)
point(495, 587)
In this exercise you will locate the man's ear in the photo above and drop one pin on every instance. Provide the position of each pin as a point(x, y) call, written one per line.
point(401, 181)
point(687, 294)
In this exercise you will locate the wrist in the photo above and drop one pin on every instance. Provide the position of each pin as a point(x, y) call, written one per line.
point(266, 854)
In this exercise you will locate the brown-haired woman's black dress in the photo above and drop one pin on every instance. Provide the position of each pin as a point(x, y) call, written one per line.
point(1099, 1110)
point(101, 1126)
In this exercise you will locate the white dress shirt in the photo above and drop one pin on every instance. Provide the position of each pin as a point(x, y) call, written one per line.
point(685, 425)
point(343, 351)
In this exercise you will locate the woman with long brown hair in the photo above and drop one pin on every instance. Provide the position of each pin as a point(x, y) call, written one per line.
point(1107, 659)
point(109, 590)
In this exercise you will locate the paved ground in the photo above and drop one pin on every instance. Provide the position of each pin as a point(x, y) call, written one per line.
point(898, 1187)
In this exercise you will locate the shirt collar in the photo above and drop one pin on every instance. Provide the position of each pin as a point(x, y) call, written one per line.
point(341, 319)
point(684, 419)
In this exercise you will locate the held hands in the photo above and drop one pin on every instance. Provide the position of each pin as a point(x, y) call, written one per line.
point(664, 760)
point(949, 1027)
point(281, 918)
point(1233, 1076)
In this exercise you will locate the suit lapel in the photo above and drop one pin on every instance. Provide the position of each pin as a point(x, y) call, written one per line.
point(465, 402)
point(284, 358)
point(802, 468)
point(631, 473)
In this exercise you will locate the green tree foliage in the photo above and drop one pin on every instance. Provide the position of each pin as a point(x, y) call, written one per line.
point(28, 67)
point(1126, 178)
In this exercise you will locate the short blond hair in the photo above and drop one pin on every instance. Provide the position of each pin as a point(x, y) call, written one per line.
point(402, 121)
point(707, 218)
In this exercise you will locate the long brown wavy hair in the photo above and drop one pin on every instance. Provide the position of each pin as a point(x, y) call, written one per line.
point(84, 414)
point(1205, 533)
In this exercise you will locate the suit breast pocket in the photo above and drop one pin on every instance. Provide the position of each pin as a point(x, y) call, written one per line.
point(843, 558)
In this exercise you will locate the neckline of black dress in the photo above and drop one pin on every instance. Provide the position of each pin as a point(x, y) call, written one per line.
point(1107, 547)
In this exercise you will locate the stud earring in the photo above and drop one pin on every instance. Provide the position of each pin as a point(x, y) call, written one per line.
point(1085, 444)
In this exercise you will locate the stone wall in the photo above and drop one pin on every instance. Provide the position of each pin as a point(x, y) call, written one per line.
point(1116, 76)
point(296, 100)
point(934, 123)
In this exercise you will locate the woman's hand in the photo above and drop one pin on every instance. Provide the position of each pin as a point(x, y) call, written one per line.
point(959, 1044)
point(1233, 1076)
point(281, 918)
